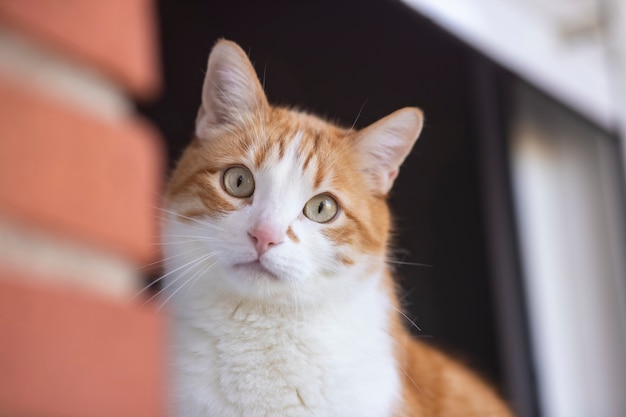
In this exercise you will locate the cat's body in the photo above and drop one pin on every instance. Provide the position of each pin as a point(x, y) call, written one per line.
point(281, 362)
point(275, 248)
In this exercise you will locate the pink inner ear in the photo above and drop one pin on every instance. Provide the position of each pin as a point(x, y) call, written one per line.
point(387, 142)
point(391, 175)
point(386, 179)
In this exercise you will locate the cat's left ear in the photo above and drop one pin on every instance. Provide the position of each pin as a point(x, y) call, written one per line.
point(385, 144)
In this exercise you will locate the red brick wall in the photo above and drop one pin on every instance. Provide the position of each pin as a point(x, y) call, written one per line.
point(80, 173)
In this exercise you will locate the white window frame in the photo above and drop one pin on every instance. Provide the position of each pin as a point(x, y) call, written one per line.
point(568, 186)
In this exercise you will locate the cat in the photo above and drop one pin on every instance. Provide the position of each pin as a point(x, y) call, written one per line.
point(275, 245)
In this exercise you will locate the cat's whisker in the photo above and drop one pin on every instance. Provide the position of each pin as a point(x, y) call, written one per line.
point(178, 242)
point(178, 278)
point(264, 73)
point(412, 380)
point(407, 318)
point(192, 263)
point(190, 236)
point(410, 264)
point(195, 226)
point(336, 157)
point(162, 260)
point(357, 118)
point(196, 275)
point(195, 237)
point(173, 213)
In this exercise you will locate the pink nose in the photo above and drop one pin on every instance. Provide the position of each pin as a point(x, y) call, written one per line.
point(264, 237)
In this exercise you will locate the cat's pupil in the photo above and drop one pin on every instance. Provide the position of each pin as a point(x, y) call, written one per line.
point(320, 207)
point(239, 180)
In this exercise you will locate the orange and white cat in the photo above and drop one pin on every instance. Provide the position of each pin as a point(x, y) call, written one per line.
point(276, 258)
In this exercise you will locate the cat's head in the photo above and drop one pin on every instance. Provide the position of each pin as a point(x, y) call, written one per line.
point(273, 203)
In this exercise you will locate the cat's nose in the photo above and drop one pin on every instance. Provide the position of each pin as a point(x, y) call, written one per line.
point(265, 236)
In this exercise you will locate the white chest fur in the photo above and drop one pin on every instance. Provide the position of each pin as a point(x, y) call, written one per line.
point(237, 358)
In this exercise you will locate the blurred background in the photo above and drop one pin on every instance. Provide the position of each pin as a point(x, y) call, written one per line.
point(510, 211)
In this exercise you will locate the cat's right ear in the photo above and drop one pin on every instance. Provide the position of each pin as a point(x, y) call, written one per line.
point(384, 145)
point(231, 91)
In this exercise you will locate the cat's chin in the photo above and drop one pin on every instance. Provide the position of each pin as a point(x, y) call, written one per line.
point(257, 282)
point(255, 270)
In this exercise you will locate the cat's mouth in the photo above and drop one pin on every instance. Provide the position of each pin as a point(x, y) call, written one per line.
point(255, 268)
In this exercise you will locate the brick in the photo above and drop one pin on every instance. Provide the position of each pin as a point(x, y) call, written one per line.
point(71, 174)
point(118, 37)
point(68, 354)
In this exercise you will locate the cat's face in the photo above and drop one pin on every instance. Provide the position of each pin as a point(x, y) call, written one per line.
point(279, 203)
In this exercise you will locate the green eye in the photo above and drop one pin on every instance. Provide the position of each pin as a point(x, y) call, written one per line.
point(238, 182)
point(321, 209)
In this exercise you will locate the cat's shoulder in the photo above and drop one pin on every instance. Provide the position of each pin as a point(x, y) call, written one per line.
point(437, 384)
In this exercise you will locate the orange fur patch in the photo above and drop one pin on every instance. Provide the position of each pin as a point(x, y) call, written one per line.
point(346, 260)
point(292, 235)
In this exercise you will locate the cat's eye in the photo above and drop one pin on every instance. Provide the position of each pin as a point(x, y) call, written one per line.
point(238, 182)
point(321, 209)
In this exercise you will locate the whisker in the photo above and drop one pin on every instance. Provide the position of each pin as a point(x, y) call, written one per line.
point(336, 157)
point(411, 263)
point(194, 261)
point(357, 117)
point(264, 73)
point(183, 274)
point(180, 241)
point(209, 225)
point(193, 225)
point(407, 317)
point(146, 266)
point(412, 380)
point(197, 274)
point(192, 237)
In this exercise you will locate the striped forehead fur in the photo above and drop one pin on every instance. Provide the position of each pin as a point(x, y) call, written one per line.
point(322, 151)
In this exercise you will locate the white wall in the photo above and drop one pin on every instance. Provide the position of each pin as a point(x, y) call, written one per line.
point(557, 45)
